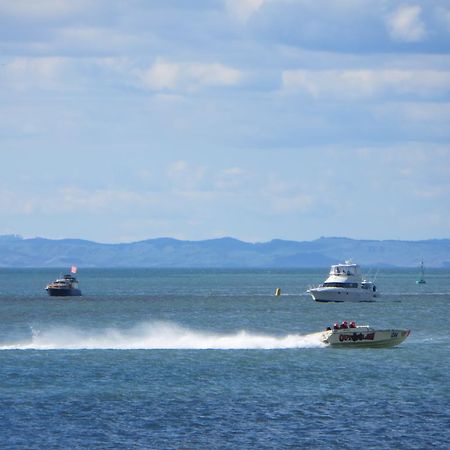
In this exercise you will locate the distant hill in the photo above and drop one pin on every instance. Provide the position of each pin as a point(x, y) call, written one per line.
point(225, 252)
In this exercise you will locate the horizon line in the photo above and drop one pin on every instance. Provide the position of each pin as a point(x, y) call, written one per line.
point(22, 238)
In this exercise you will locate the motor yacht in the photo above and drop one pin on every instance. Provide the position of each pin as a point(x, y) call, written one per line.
point(344, 284)
point(65, 286)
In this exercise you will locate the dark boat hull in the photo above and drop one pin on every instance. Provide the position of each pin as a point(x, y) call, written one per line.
point(61, 292)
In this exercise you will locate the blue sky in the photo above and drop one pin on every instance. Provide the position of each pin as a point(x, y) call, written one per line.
point(257, 119)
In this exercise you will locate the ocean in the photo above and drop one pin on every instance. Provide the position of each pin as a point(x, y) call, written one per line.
point(211, 359)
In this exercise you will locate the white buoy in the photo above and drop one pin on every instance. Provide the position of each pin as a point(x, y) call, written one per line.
point(277, 292)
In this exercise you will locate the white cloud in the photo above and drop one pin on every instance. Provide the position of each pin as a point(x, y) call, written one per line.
point(13, 203)
point(405, 24)
point(232, 179)
point(45, 73)
point(366, 83)
point(298, 203)
point(433, 116)
point(242, 10)
point(185, 176)
point(435, 113)
point(100, 200)
point(71, 200)
point(214, 74)
point(433, 192)
point(40, 8)
point(96, 39)
point(164, 75)
point(283, 197)
point(178, 167)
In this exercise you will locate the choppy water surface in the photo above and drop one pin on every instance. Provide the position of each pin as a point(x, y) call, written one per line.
point(212, 359)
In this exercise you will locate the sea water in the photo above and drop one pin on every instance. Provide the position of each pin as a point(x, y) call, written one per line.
point(211, 359)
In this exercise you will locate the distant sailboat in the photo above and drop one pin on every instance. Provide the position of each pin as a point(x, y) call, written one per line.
point(421, 280)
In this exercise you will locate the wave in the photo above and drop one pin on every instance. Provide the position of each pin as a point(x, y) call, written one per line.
point(157, 336)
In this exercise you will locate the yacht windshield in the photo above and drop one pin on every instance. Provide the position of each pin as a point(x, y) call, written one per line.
point(340, 285)
point(344, 270)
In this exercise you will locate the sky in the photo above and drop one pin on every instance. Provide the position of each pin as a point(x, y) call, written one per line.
point(257, 119)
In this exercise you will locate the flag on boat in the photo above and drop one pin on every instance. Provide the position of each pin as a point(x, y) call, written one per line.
point(73, 269)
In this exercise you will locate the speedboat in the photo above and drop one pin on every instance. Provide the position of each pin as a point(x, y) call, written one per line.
point(67, 286)
point(363, 336)
point(344, 284)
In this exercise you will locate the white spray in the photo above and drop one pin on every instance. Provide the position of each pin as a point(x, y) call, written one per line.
point(158, 335)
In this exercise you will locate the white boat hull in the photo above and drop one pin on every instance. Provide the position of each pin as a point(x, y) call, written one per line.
point(325, 294)
point(364, 336)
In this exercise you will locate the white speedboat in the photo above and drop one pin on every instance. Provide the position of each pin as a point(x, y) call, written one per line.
point(363, 336)
point(344, 284)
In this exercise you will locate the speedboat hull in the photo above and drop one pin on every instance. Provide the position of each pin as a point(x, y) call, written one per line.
point(364, 336)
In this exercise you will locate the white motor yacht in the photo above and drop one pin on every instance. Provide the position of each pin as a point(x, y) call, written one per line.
point(344, 284)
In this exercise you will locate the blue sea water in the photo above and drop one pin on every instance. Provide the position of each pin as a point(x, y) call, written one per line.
point(211, 359)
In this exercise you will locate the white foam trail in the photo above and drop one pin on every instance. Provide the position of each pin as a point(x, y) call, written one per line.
point(158, 335)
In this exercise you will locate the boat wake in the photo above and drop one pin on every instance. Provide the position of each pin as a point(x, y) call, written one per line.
point(158, 336)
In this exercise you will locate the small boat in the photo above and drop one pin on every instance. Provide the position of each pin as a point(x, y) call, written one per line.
point(67, 286)
point(344, 284)
point(362, 336)
point(421, 280)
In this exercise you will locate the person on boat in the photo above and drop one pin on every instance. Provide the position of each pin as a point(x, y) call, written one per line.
point(336, 326)
point(352, 324)
point(344, 324)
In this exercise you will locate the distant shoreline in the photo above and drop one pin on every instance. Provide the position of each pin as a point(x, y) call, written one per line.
point(224, 253)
